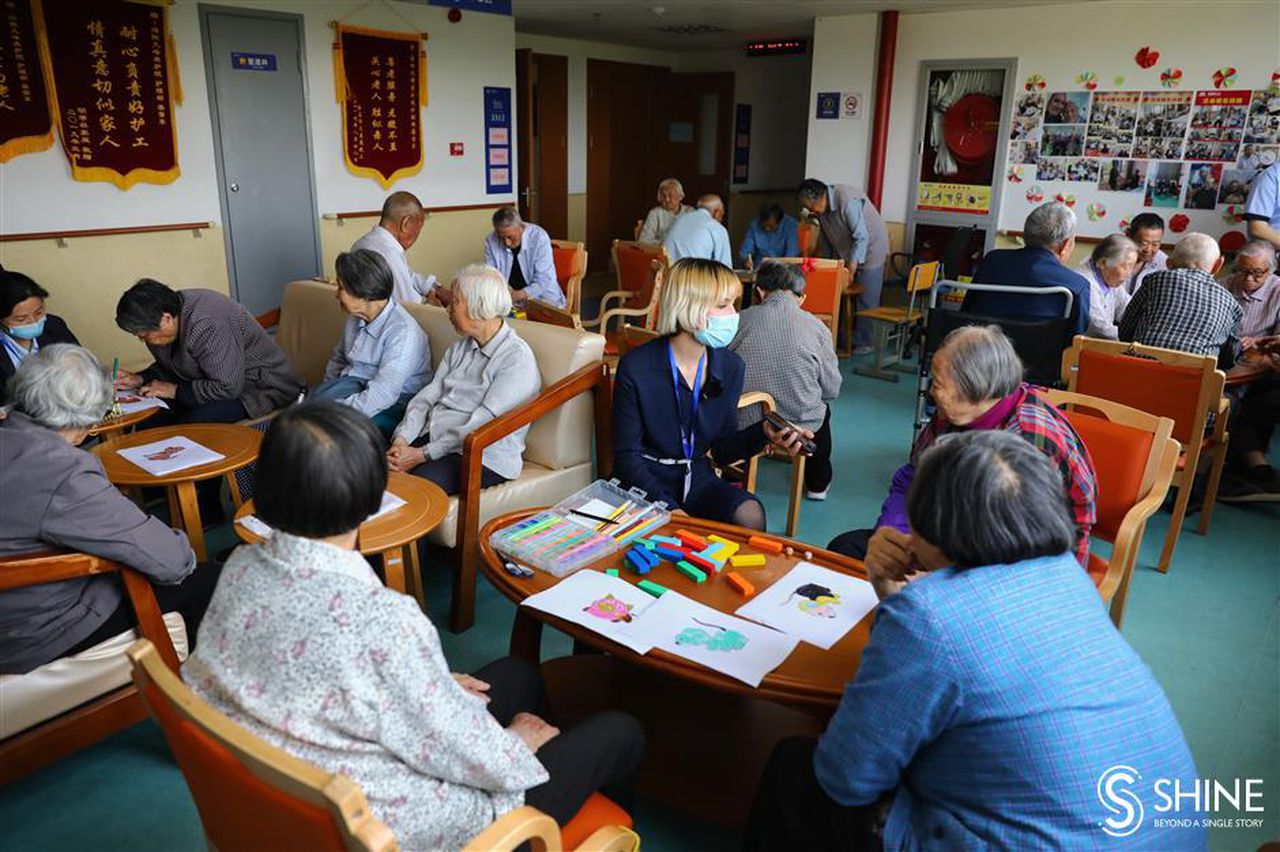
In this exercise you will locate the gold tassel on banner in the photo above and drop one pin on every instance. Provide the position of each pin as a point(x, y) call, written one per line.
point(175, 77)
point(422, 74)
point(339, 74)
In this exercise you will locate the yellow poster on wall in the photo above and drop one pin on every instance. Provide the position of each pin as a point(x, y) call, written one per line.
point(954, 198)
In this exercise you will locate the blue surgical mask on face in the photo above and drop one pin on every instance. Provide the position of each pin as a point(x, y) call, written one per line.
point(720, 331)
point(27, 332)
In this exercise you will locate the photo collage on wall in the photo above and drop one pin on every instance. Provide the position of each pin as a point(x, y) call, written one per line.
point(1193, 150)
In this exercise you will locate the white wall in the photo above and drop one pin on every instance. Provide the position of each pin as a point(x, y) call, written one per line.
point(37, 193)
point(1057, 42)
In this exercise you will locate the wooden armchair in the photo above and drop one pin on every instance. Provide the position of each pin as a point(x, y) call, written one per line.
point(571, 267)
point(1134, 457)
point(1185, 388)
point(66, 733)
point(746, 473)
point(536, 310)
point(640, 268)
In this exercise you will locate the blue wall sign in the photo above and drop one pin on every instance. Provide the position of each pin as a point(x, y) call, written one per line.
point(497, 140)
point(496, 7)
point(828, 105)
point(253, 61)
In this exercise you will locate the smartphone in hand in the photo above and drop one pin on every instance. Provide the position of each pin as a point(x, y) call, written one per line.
point(807, 446)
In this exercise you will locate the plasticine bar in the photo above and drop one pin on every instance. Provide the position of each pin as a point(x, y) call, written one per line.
point(671, 554)
point(612, 572)
point(666, 539)
point(748, 560)
point(766, 544)
point(697, 561)
point(637, 563)
point(652, 588)
point(689, 571)
point(692, 541)
point(740, 585)
point(718, 539)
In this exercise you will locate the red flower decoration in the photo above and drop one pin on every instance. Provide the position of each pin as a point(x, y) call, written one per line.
point(1146, 57)
point(1179, 222)
point(808, 265)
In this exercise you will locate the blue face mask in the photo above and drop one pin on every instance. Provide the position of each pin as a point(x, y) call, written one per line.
point(27, 332)
point(719, 332)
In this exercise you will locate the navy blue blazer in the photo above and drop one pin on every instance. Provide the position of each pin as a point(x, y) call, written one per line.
point(55, 331)
point(1029, 267)
point(646, 421)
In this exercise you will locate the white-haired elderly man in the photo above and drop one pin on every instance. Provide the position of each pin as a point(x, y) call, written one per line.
point(1050, 237)
point(521, 252)
point(490, 371)
point(1256, 287)
point(57, 495)
point(670, 206)
point(700, 234)
point(1184, 307)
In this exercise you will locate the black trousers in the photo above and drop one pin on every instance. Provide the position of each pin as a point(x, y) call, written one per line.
point(446, 472)
point(852, 543)
point(190, 599)
point(1256, 418)
point(214, 411)
point(817, 468)
point(793, 812)
point(601, 753)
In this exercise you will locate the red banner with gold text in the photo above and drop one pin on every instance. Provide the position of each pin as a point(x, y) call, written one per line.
point(111, 66)
point(381, 82)
point(25, 125)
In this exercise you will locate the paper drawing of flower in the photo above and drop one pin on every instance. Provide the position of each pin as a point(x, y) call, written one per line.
point(609, 609)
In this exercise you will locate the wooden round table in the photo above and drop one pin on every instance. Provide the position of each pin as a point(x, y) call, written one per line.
point(810, 676)
point(111, 429)
point(1247, 371)
point(238, 445)
point(393, 536)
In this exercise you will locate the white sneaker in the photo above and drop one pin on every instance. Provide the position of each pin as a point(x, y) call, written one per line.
point(817, 495)
point(863, 349)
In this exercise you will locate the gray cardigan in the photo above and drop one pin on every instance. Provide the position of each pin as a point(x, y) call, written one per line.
point(222, 353)
point(54, 494)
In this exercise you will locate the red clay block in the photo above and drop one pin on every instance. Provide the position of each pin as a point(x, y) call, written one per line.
point(691, 541)
point(766, 544)
point(740, 585)
point(701, 562)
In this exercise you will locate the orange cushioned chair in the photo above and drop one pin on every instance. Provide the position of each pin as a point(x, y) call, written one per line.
point(641, 268)
point(252, 795)
point(1134, 457)
point(571, 266)
point(1185, 388)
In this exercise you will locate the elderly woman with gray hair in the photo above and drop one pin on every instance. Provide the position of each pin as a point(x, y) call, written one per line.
point(977, 385)
point(1107, 270)
point(58, 495)
point(482, 376)
point(670, 206)
point(994, 700)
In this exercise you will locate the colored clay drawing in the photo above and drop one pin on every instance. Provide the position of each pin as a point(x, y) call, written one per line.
point(609, 609)
point(165, 454)
point(724, 640)
point(816, 600)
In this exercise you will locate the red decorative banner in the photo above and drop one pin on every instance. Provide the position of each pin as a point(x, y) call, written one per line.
point(381, 82)
point(25, 125)
point(113, 72)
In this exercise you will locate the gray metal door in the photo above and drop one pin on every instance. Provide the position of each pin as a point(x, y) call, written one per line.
point(257, 95)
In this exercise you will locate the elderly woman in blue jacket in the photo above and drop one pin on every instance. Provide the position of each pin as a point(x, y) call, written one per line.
point(675, 402)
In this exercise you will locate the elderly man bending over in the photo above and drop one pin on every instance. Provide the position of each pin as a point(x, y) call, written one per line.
point(521, 252)
point(396, 232)
point(1050, 237)
point(700, 233)
point(56, 495)
point(670, 206)
point(482, 376)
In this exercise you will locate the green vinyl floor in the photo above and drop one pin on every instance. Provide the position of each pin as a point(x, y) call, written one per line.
point(1209, 629)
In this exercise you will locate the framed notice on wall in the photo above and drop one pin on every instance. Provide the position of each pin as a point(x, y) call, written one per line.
point(742, 143)
point(497, 140)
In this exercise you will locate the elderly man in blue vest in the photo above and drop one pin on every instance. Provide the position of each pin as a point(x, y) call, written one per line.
point(521, 251)
point(852, 231)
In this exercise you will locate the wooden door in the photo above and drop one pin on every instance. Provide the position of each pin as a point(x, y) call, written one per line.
point(526, 189)
point(696, 144)
point(551, 141)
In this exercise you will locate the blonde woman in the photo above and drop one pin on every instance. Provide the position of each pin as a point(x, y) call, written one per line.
point(676, 402)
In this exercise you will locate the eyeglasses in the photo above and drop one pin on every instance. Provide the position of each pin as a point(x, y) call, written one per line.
point(1253, 273)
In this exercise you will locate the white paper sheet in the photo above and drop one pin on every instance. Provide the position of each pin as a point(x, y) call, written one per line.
point(607, 605)
point(390, 503)
point(161, 458)
point(130, 402)
point(258, 527)
point(596, 507)
point(812, 603)
point(721, 642)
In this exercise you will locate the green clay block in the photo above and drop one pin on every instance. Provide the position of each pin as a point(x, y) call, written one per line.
point(691, 572)
point(612, 572)
point(652, 588)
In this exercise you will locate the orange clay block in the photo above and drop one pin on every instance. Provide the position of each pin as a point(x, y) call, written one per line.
point(768, 545)
point(748, 560)
point(691, 541)
point(740, 585)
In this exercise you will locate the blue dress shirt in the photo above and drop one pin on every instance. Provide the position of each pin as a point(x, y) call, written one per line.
point(993, 699)
point(1032, 266)
point(760, 244)
point(390, 355)
point(537, 263)
point(697, 234)
point(1263, 203)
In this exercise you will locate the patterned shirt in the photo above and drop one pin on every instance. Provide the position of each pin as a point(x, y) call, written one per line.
point(303, 646)
point(1142, 270)
point(990, 702)
point(1026, 414)
point(1184, 309)
point(410, 286)
point(789, 356)
point(1261, 308)
point(390, 353)
point(474, 384)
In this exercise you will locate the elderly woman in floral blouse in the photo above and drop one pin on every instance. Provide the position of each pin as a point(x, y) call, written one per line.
point(307, 649)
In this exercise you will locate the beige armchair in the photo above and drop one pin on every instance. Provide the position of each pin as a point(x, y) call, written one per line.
point(572, 408)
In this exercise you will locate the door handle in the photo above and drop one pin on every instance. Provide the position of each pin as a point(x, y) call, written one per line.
point(234, 187)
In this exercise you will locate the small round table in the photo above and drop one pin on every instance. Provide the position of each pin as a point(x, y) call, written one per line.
point(1247, 371)
point(238, 445)
point(111, 429)
point(393, 535)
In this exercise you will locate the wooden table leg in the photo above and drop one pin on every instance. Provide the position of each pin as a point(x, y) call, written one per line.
point(393, 569)
point(526, 637)
point(414, 576)
point(233, 485)
point(189, 512)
